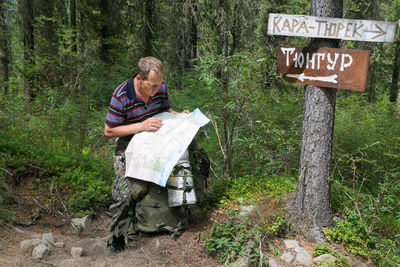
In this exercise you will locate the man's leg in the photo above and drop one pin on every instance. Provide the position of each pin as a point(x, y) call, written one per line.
point(121, 210)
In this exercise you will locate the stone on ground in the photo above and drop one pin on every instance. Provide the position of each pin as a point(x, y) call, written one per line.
point(303, 257)
point(40, 251)
point(291, 243)
point(324, 259)
point(82, 223)
point(76, 252)
point(272, 263)
point(49, 238)
point(288, 257)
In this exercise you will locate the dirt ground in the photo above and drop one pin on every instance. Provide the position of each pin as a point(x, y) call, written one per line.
point(35, 216)
point(149, 250)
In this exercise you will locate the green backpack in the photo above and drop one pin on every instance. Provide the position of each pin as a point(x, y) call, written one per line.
point(151, 212)
point(154, 215)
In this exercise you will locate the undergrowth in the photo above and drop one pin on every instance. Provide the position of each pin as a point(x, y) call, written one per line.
point(235, 237)
point(80, 181)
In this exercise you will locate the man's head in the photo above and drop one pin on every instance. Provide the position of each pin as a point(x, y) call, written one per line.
point(147, 64)
point(150, 76)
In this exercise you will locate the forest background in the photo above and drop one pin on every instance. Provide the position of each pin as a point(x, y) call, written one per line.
point(61, 61)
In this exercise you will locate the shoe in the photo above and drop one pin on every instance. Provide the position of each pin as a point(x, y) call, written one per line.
point(117, 244)
point(130, 241)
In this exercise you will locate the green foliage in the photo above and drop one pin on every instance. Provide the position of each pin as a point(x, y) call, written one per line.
point(366, 179)
point(44, 147)
point(366, 170)
point(276, 227)
point(247, 189)
point(5, 213)
point(234, 238)
point(350, 231)
point(321, 249)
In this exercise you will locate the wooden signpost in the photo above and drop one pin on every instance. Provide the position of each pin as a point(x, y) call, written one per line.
point(333, 28)
point(326, 67)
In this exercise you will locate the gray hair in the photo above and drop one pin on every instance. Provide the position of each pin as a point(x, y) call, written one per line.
point(147, 64)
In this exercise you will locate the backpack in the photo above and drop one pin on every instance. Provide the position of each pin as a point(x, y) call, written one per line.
point(152, 211)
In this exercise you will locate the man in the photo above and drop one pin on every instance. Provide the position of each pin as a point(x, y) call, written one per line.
point(132, 107)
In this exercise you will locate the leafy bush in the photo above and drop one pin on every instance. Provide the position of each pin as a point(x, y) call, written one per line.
point(351, 232)
point(234, 238)
point(248, 188)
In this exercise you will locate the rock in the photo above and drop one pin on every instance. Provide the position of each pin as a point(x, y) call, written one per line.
point(59, 244)
point(272, 263)
point(288, 257)
point(40, 251)
point(49, 238)
point(26, 243)
point(82, 223)
point(324, 259)
point(291, 243)
point(303, 257)
point(76, 251)
point(38, 241)
point(33, 242)
point(245, 210)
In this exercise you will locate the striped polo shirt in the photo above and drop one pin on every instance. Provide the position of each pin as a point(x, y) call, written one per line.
point(126, 107)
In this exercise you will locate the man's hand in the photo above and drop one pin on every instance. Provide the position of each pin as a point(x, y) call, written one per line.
point(151, 124)
point(186, 111)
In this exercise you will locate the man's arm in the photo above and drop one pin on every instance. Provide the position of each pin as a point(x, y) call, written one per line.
point(150, 124)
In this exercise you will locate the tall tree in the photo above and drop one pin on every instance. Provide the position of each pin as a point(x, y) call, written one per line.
point(5, 43)
point(72, 7)
point(310, 207)
point(148, 27)
point(25, 10)
point(105, 32)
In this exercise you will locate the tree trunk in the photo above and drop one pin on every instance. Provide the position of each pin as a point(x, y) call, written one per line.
point(25, 10)
point(73, 24)
point(104, 32)
point(309, 206)
point(190, 38)
point(148, 28)
point(4, 44)
point(395, 75)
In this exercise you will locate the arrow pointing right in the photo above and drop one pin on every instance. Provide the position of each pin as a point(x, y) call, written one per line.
point(380, 31)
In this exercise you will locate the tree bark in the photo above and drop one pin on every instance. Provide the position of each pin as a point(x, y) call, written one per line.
point(148, 28)
point(104, 32)
point(395, 75)
point(309, 205)
point(25, 9)
point(4, 44)
point(73, 24)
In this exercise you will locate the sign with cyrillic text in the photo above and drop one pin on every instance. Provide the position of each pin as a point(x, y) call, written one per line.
point(325, 67)
point(334, 28)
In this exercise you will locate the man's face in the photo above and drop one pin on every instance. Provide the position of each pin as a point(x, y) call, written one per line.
point(150, 86)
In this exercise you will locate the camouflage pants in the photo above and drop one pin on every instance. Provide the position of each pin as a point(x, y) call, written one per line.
point(125, 191)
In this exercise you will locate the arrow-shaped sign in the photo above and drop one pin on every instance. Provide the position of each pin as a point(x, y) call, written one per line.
point(302, 77)
point(333, 28)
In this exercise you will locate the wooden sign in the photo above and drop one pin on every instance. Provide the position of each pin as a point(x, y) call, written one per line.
point(319, 27)
point(326, 67)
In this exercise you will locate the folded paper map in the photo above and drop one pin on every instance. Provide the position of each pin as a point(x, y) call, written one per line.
point(151, 156)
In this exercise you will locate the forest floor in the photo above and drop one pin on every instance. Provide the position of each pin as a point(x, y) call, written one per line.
point(32, 219)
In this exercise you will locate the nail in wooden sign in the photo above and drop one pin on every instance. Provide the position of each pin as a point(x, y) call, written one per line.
point(333, 28)
point(325, 67)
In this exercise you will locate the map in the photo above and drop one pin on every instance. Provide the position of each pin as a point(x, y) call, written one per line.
point(151, 156)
